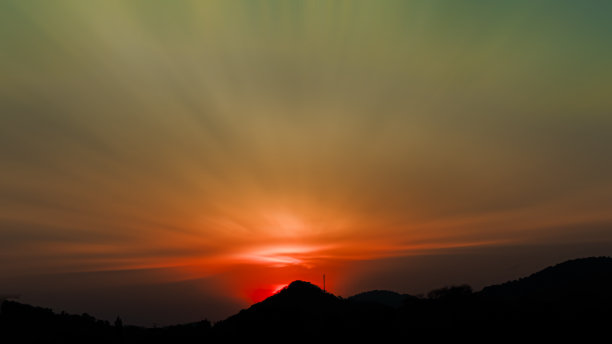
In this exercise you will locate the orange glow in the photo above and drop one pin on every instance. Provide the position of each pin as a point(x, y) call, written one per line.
point(251, 254)
point(260, 294)
point(282, 255)
point(212, 144)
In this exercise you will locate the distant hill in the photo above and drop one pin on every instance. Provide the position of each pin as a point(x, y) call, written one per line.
point(383, 297)
point(303, 310)
point(8, 297)
point(584, 279)
point(571, 299)
point(300, 300)
point(36, 324)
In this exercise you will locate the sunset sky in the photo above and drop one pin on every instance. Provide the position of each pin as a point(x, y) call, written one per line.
point(169, 161)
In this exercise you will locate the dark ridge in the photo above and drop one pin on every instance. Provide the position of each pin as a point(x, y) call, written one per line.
point(587, 278)
point(383, 297)
point(42, 324)
point(299, 294)
point(21, 323)
point(568, 300)
point(9, 297)
point(300, 308)
point(303, 286)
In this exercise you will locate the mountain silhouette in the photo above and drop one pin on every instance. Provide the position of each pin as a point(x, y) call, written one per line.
point(586, 278)
point(300, 309)
point(302, 295)
point(573, 298)
point(569, 300)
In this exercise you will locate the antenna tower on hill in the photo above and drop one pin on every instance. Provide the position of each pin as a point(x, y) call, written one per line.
point(323, 282)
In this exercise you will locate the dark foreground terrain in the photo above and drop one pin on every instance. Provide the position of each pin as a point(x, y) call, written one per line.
point(572, 300)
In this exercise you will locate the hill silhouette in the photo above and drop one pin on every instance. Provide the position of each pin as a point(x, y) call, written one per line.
point(383, 297)
point(301, 309)
point(573, 298)
point(587, 278)
point(304, 310)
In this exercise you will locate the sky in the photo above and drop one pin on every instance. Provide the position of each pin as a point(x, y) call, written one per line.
point(173, 161)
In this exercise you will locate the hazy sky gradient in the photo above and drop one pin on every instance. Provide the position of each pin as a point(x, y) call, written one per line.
point(213, 151)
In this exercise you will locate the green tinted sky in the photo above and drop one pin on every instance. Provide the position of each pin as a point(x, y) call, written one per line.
point(171, 141)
